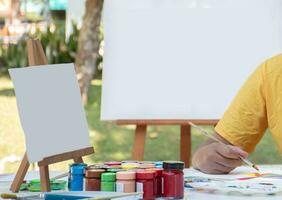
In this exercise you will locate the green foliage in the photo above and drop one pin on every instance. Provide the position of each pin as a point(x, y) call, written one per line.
point(57, 49)
point(12, 55)
point(33, 17)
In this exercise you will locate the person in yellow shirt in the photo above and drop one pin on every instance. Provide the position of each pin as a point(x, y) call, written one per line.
point(256, 107)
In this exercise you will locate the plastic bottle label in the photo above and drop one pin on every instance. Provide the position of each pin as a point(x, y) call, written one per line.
point(162, 185)
point(84, 185)
point(119, 187)
point(139, 187)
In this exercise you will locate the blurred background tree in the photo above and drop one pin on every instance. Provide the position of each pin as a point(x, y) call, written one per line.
point(88, 45)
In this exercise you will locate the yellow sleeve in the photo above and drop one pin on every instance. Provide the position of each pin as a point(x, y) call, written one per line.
point(245, 121)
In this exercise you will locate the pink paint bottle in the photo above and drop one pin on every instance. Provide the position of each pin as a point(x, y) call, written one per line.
point(125, 181)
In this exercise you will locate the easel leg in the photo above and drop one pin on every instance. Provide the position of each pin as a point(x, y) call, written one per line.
point(78, 160)
point(44, 178)
point(185, 144)
point(15, 187)
point(139, 142)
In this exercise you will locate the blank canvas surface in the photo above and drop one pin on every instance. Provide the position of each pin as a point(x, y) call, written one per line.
point(183, 59)
point(50, 110)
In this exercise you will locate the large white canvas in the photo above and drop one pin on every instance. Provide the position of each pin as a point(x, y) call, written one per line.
point(50, 109)
point(183, 59)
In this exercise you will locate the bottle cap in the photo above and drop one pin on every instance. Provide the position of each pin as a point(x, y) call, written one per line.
point(126, 175)
point(112, 163)
point(108, 176)
point(158, 171)
point(98, 166)
point(145, 175)
point(113, 166)
point(146, 165)
point(114, 169)
point(93, 173)
point(130, 161)
point(128, 166)
point(158, 164)
point(77, 168)
point(178, 165)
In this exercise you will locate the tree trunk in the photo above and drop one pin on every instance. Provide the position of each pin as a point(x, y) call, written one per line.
point(88, 46)
point(15, 12)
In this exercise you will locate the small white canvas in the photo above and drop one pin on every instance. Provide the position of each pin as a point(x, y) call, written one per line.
point(50, 109)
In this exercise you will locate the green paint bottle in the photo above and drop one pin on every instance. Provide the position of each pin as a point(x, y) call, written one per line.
point(108, 182)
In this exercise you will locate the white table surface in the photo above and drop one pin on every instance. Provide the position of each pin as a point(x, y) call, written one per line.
point(191, 195)
point(237, 173)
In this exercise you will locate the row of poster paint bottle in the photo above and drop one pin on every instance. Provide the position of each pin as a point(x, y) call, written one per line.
point(154, 179)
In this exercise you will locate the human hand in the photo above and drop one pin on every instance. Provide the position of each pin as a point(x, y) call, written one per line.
point(217, 158)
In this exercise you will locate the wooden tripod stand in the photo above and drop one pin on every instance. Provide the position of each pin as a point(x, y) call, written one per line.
point(36, 56)
point(185, 135)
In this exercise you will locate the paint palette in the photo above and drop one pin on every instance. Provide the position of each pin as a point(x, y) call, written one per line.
point(241, 181)
point(261, 175)
point(248, 187)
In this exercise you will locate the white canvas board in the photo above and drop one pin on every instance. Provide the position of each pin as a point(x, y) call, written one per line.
point(183, 59)
point(50, 109)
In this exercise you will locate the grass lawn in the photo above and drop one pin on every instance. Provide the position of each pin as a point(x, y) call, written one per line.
point(111, 142)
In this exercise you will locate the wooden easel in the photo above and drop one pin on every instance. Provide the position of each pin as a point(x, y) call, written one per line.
point(185, 135)
point(36, 56)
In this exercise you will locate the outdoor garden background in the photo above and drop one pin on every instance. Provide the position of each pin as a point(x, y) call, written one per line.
point(111, 142)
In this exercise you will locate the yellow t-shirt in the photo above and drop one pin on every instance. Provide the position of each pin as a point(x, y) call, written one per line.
point(257, 106)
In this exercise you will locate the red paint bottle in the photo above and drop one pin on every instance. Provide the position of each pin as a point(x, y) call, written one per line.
point(158, 181)
point(173, 179)
point(145, 182)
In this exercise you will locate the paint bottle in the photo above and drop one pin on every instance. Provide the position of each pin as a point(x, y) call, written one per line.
point(113, 164)
point(158, 164)
point(173, 179)
point(130, 161)
point(35, 185)
point(158, 187)
point(146, 165)
point(125, 181)
point(114, 170)
point(98, 166)
point(76, 175)
point(93, 179)
point(145, 181)
point(130, 166)
point(108, 182)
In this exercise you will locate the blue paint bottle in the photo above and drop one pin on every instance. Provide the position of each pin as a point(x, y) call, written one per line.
point(158, 164)
point(76, 175)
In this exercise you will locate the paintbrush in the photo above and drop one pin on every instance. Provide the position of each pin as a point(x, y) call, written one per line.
point(217, 140)
point(14, 196)
point(116, 196)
